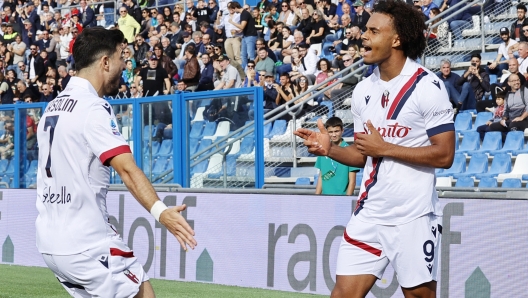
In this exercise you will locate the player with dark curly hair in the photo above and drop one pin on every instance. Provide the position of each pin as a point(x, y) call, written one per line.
point(403, 130)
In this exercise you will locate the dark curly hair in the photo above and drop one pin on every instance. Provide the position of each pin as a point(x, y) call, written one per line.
point(408, 23)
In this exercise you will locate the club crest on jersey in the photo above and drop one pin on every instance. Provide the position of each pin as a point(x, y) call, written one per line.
point(115, 129)
point(385, 99)
point(131, 276)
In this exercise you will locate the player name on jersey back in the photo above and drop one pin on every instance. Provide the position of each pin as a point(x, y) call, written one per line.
point(61, 103)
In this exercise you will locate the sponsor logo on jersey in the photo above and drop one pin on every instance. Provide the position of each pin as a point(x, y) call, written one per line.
point(391, 130)
point(131, 276)
point(446, 111)
point(115, 129)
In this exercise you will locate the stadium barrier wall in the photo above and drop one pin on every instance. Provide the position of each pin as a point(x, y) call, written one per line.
point(290, 242)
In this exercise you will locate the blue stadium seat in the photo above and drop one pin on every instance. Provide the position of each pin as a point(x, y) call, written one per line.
point(201, 167)
point(477, 165)
point(267, 130)
point(146, 131)
point(279, 128)
point(482, 118)
point(514, 142)
point(465, 182)
point(209, 129)
point(10, 168)
point(33, 167)
point(4, 163)
point(359, 178)
point(247, 145)
point(165, 148)
point(193, 146)
point(493, 79)
point(471, 142)
point(204, 144)
point(511, 183)
point(155, 148)
point(492, 141)
point(458, 166)
point(205, 102)
point(463, 122)
point(488, 182)
point(302, 181)
point(9, 180)
point(231, 168)
point(160, 165)
point(196, 129)
point(282, 171)
point(330, 107)
point(501, 164)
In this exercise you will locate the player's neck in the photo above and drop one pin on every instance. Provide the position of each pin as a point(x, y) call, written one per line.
point(392, 66)
point(94, 80)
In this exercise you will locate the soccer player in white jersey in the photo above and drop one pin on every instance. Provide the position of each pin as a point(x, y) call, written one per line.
point(78, 140)
point(404, 130)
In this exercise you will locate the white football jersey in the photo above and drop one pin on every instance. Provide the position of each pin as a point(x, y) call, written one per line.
point(407, 111)
point(77, 135)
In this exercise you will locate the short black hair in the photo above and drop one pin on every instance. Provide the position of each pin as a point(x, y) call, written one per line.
point(476, 55)
point(334, 122)
point(521, 6)
point(501, 94)
point(408, 24)
point(94, 42)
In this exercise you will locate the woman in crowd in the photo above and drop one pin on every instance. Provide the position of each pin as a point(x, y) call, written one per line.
point(146, 23)
point(287, 16)
point(128, 73)
point(128, 54)
point(438, 35)
point(167, 14)
point(165, 61)
point(319, 28)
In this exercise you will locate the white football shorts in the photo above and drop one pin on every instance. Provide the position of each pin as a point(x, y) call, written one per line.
point(413, 249)
point(109, 270)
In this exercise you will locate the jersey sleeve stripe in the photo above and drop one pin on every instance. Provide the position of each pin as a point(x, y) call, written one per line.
point(120, 253)
point(362, 245)
point(114, 152)
point(405, 93)
point(440, 129)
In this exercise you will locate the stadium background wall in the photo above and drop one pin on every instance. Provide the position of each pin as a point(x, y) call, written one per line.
point(288, 242)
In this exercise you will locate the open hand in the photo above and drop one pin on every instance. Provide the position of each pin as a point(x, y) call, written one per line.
point(178, 226)
point(318, 143)
point(371, 144)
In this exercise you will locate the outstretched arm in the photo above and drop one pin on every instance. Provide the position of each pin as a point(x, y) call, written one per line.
point(139, 186)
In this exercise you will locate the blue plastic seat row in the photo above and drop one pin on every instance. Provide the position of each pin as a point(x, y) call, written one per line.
point(492, 143)
point(489, 182)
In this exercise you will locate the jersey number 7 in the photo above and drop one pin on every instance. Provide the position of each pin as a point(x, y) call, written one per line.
point(51, 122)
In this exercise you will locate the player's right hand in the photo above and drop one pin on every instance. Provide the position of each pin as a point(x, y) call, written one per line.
point(318, 143)
point(178, 226)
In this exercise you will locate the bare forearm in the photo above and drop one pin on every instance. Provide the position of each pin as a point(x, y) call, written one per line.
point(429, 156)
point(139, 186)
point(349, 155)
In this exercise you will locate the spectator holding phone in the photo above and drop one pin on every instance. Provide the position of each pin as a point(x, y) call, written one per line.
point(474, 82)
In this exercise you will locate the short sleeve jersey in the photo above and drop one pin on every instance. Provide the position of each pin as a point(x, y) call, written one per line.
point(407, 111)
point(77, 136)
point(338, 183)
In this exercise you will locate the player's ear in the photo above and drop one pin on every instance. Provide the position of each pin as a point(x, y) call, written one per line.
point(396, 41)
point(105, 62)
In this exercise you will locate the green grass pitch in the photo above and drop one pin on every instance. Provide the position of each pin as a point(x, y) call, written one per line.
point(29, 282)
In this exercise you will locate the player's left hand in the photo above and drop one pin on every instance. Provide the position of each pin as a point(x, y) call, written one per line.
point(370, 144)
point(178, 226)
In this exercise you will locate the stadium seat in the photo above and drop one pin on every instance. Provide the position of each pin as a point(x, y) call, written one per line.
point(492, 141)
point(501, 164)
point(165, 148)
point(215, 163)
point(520, 168)
point(478, 164)
point(197, 129)
point(279, 128)
point(465, 182)
point(9, 180)
point(200, 167)
point(235, 148)
point(147, 130)
point(247, 145)
point(463, 122)
point(193, 146)
point(10, 170)
point(199, 115)
point(4, 163)
point(283, 172)
point(482, 118)
point(458, 166)
point(205, 102)
point(514, 142)
point(155, 148)
point(222, 130)
point(267, 130)
point(330, 106)
point(32, 168)
point(231, 168)
point(470, 142)
point(204, 144)
point(487, 182)
point(511, 183)
point(302, 181)
point(209, 129)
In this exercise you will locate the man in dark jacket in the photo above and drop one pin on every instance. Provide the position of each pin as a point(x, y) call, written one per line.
point(206, 76)
point(191, 69)
point(36, 69)
point(88, 18)
point(450, 79)
point(474, 82)
point(516, 29)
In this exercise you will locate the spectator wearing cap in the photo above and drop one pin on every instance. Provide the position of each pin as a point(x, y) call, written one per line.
point(271, 94)
point(361, 17)
point(154, 78)
point(231, 77)
point(191, 69)
point(265, 63)
point(9, 34)
point(88, 18)
point(501, 61)
point(206, 74)
point(75, 23)
point(30, 13)
point(516, 30)
point(127, 24)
